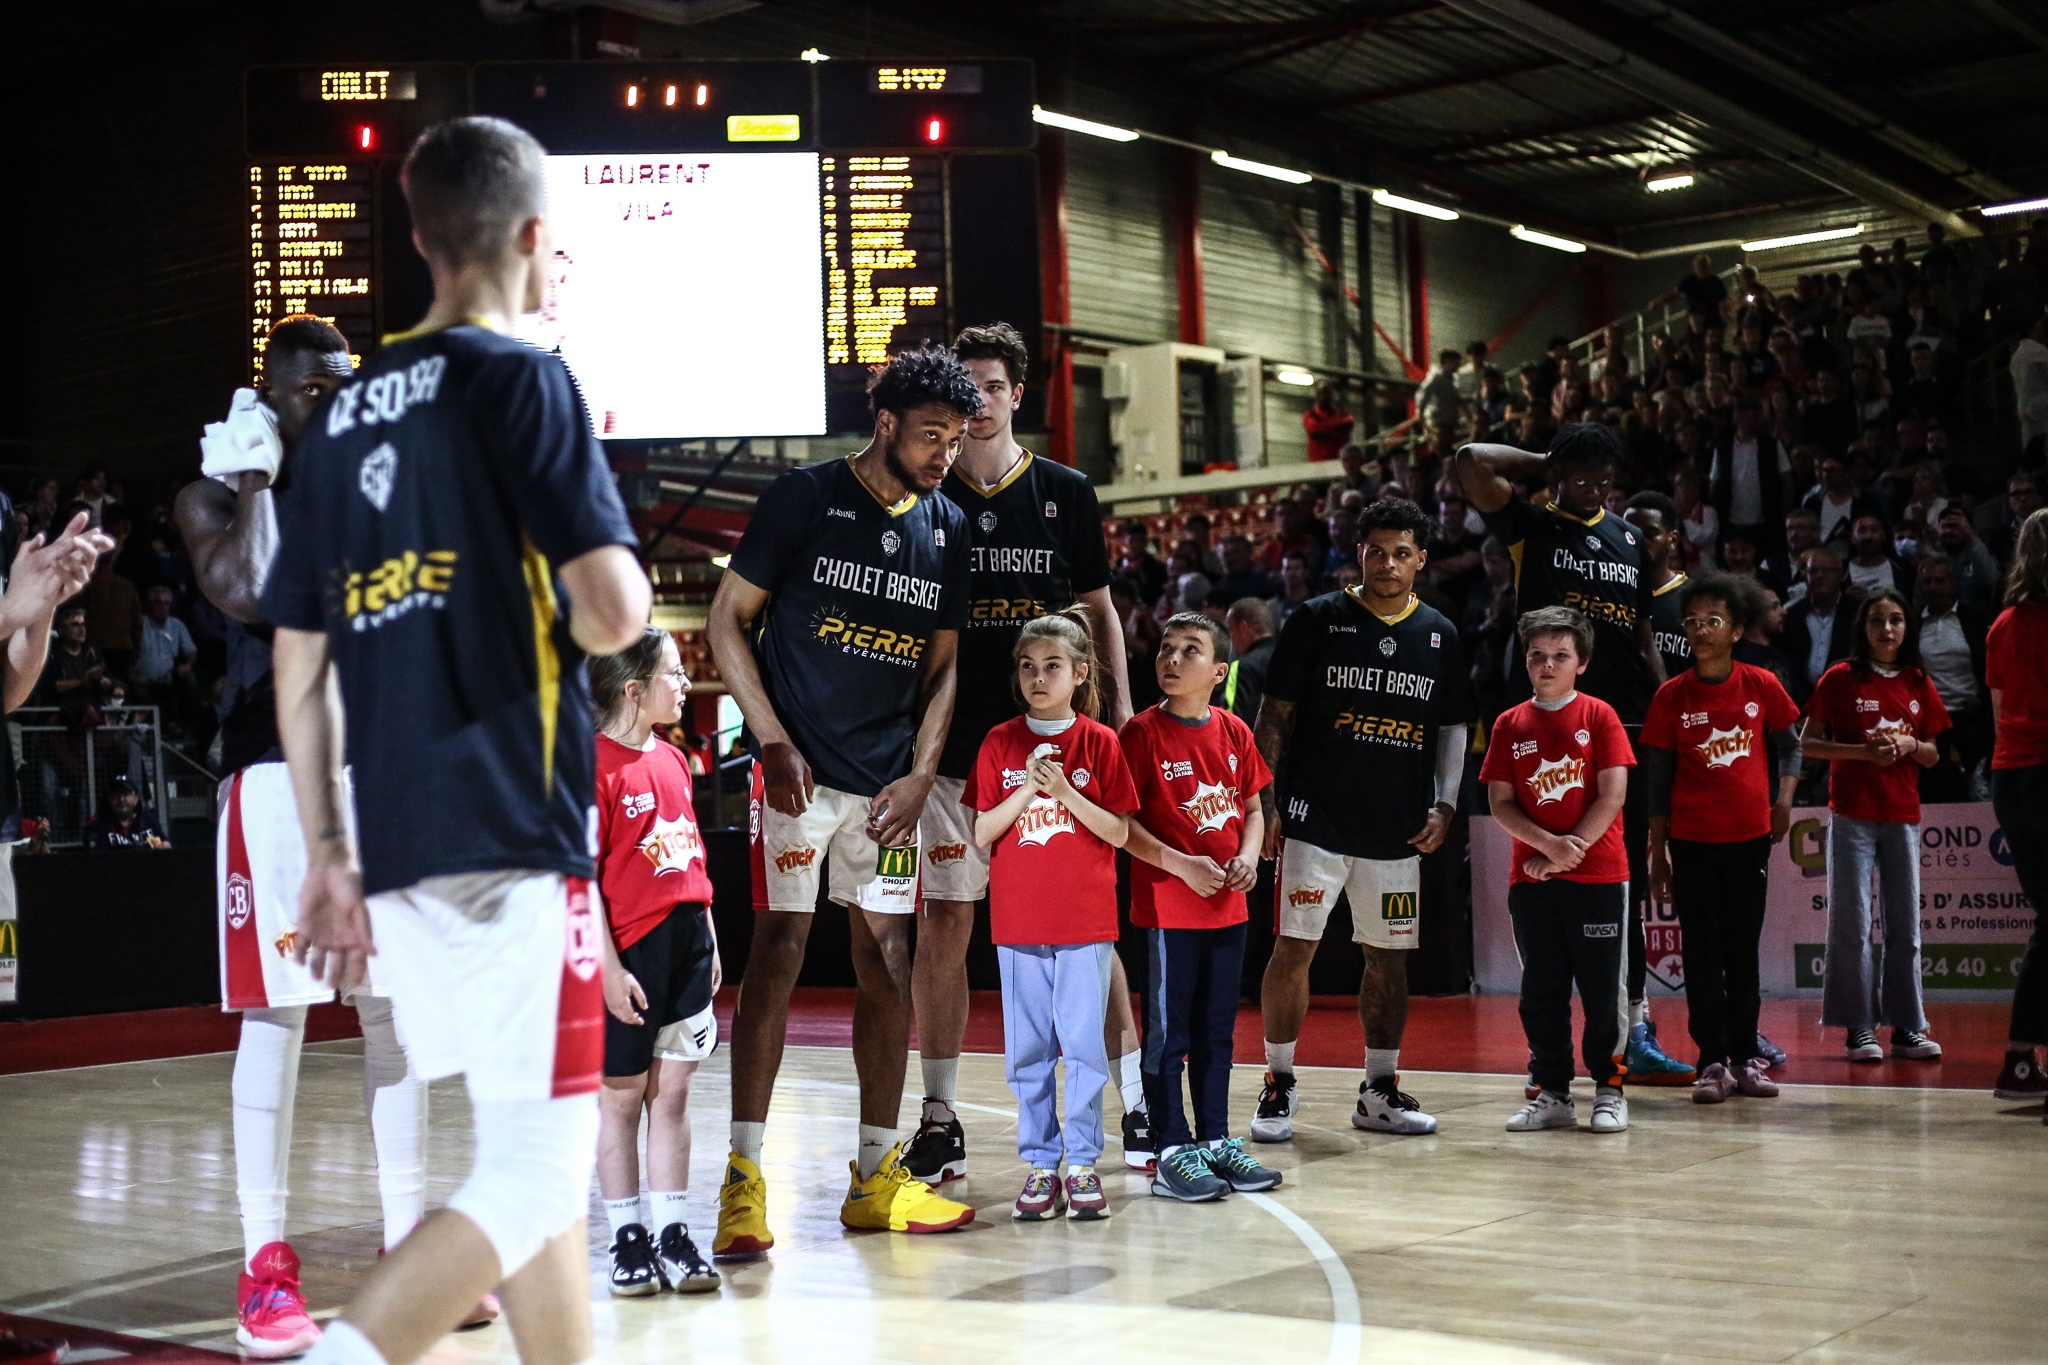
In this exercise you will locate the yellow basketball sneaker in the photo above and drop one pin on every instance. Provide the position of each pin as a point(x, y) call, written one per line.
point(742, 1213)
point(894, 1200)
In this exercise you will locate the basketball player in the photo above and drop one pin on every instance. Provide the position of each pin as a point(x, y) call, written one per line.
point(451, 545)
point(1657, 518)
point(1036, 534)
point(1570, 553)
point(229, 521)
point(851, 583)
point(1367, 692)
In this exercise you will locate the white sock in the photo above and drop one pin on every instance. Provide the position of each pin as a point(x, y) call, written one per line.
point(670, 1206)
point(1130, 1082)
point(874, 1147)
point(941, 1082)
point(1279, 1058)
point(266, 1083)
point(397, 1103)
point(1381, 1061)
point(1638, 1012)
point(619, 1212)
point(343, 1344)
point(746, 1139)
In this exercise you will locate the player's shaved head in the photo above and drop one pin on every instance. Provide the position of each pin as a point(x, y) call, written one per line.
point(471, 183)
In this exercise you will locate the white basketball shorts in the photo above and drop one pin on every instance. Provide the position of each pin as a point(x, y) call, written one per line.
point(494, 975)
point(1385, 896)
point(952, 866)
point(791, 852)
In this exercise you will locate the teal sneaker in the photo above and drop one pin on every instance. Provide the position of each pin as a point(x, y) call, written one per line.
point(1189, 1176)
point(1647, 1063)
point(1236, 1167)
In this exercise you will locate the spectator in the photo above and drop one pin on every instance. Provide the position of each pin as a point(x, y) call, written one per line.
point(164, 674)
point(44, 503)
point(1836, 501)
point(1702, 289)
point(1438, 401)
point(1977, 579)
point(1328, 424)
point(1142, 567)
point(1550, 368)
point(1700, 522)
point(1298, 582)
point(1759, 642)
point(1294, 528)
point(1938, 263)
point(1454, 564)
point(1871, 561)
point(1251, 628)
point(92, 491)
point(1869, 393)
point(1355, 476)
point(1343, 528)
point(2030, 379)
point(76, 677)
point(1999, 520)
point(1241, 577)
point(1493, 401)
point(1952, 652)
point(1195, 531)
point(1819, 630)
point(1738, 554)
point(1786, 569)
point(1924, 394)
point(1829, 416)
point(1751, 478)
point(1141, 641)
point(122, 826)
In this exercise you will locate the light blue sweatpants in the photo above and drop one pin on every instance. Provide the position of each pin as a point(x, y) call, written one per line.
point(1054, 999)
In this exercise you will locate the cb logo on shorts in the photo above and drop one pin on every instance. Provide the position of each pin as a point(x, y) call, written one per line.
point(239, 900)
point(580, 950)
point(1397, 905)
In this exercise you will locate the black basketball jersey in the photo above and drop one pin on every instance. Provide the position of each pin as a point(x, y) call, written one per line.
point(1595, 566)
point(858, 590)
point(1036, 546)
point(1666, 623)
point(1358, 775)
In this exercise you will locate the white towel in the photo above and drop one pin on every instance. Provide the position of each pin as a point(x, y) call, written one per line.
point(247, 440)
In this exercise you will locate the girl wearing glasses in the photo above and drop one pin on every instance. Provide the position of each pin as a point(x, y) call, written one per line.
point(1720, 757)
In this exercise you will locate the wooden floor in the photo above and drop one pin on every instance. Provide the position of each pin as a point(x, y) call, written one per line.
point(1833, 1224)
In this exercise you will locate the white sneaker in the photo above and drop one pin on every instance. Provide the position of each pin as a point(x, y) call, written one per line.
point(1383, 1108)
point(1279, 1102)
point(1545, 1111)
point(1862, 1046)
point(1610, 1111)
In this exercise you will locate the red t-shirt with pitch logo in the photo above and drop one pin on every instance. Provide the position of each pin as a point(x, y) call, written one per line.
point(1195, 783)
point(650, 857)
point(1856, 708)
point(1721, 784)
point(1050, 880)
point(1553, 760)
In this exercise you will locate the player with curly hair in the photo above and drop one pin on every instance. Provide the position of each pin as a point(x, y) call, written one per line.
point(836, 628)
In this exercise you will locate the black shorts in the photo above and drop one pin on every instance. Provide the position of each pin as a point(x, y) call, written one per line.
point(673, 966)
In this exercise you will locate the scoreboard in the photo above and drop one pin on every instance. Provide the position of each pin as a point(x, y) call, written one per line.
point(686, 278)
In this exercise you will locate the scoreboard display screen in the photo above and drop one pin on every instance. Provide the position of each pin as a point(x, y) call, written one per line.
point(735, 243)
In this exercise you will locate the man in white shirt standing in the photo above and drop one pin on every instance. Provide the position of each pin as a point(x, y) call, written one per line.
point(1951, 641)
point(2030, 380)
point(1750, 483)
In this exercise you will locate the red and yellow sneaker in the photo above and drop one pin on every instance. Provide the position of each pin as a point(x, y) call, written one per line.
point(894, 1200)
point(273, 1318)
point(742, 1213)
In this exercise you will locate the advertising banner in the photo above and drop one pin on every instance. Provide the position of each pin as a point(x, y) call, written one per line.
point(1974, 919)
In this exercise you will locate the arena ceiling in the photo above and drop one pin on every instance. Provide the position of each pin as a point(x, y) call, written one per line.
point(1555, 111)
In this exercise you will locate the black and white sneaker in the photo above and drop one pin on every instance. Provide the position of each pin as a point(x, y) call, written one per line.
point(938, 1152)
point(1862, 1046)
point(1912, 1043)
point(1383, 1107)
point(1138, 1151)
point(634, 1273)
point(1279, 1102)
point(1772, 1054)
point(682, 1268)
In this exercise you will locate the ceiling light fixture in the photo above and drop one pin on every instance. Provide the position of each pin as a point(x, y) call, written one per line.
point(2016, 206)
point(1081, 125)
point(1802, 238)
point(1238, 163)
point(1406, 205)
point(1536, 238)
point(1664, 184)
point(1301, 379)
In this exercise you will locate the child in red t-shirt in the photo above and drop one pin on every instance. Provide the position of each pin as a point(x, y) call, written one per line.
point(1556, 774)
point(1195, 852)
point(1874, 717)
point(1715, 736)
point(1054, 799)
point(660, 963)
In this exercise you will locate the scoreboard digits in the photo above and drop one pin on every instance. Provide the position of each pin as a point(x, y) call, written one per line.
point(311, 250)
point(885, 255)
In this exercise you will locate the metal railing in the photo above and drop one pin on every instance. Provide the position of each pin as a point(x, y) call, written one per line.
point(66, 768)
point(1638, 327)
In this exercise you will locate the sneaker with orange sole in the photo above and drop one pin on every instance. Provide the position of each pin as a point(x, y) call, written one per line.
point(894, 1200)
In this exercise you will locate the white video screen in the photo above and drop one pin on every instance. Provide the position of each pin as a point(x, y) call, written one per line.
point(686, 292)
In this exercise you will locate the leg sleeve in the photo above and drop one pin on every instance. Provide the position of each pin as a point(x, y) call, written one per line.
point(265, 1086)
point(396, 1099)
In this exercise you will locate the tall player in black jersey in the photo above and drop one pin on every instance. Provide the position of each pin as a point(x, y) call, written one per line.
point(1036, 537)
point(1571, 553)
point(1657, 518)
point(836, 628)
point(1364, 720)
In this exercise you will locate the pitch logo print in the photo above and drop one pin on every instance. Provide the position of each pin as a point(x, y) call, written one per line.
point(946, 853)
point(1556, 776)
point(671, 845)
point(1722, 748)
point(1305, 895)
point(1041, 820)
point(1212, 807)
point(241, 900)
point(792, 861)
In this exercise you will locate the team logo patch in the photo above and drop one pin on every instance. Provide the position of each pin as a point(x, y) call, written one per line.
point(1080, 778)
point(1212, 807)
point(1396, 906)
point(639, 803)
point(1052, 509)
point(1170, 768)
point(939, 536)
point(1913, 708)
point(1556, 776)
point(1436, 640)
point(946, 853)
point(1231, 759)
point(1387, 646)
point(1629, 537)
point(379, 471)
point(891, 542)
point(791, 861)
point(1582, 737)
point(1750, 710)
point(241, 900)
point(1721, 748)
point(986, 521)
point(1592, 542)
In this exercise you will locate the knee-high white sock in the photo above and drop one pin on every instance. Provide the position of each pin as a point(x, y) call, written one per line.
point(1279, 1058)
point(1130, 1082)
point(265, 1085)
point(746, 1139)
point(397, 1102)
point(874, 1148)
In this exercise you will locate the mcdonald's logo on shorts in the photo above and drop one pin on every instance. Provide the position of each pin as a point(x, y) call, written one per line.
point(1397, 905)
point(10, 941)
point(896, 862)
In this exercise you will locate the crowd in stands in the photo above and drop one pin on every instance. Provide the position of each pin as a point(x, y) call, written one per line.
point(1807, 440)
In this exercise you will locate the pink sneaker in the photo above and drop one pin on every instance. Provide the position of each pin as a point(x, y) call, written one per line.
point(274, 1322)
point(1752, 1081)
point(1715, 1084)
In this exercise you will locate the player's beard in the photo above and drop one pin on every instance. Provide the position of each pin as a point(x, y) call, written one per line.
point(897, 470)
